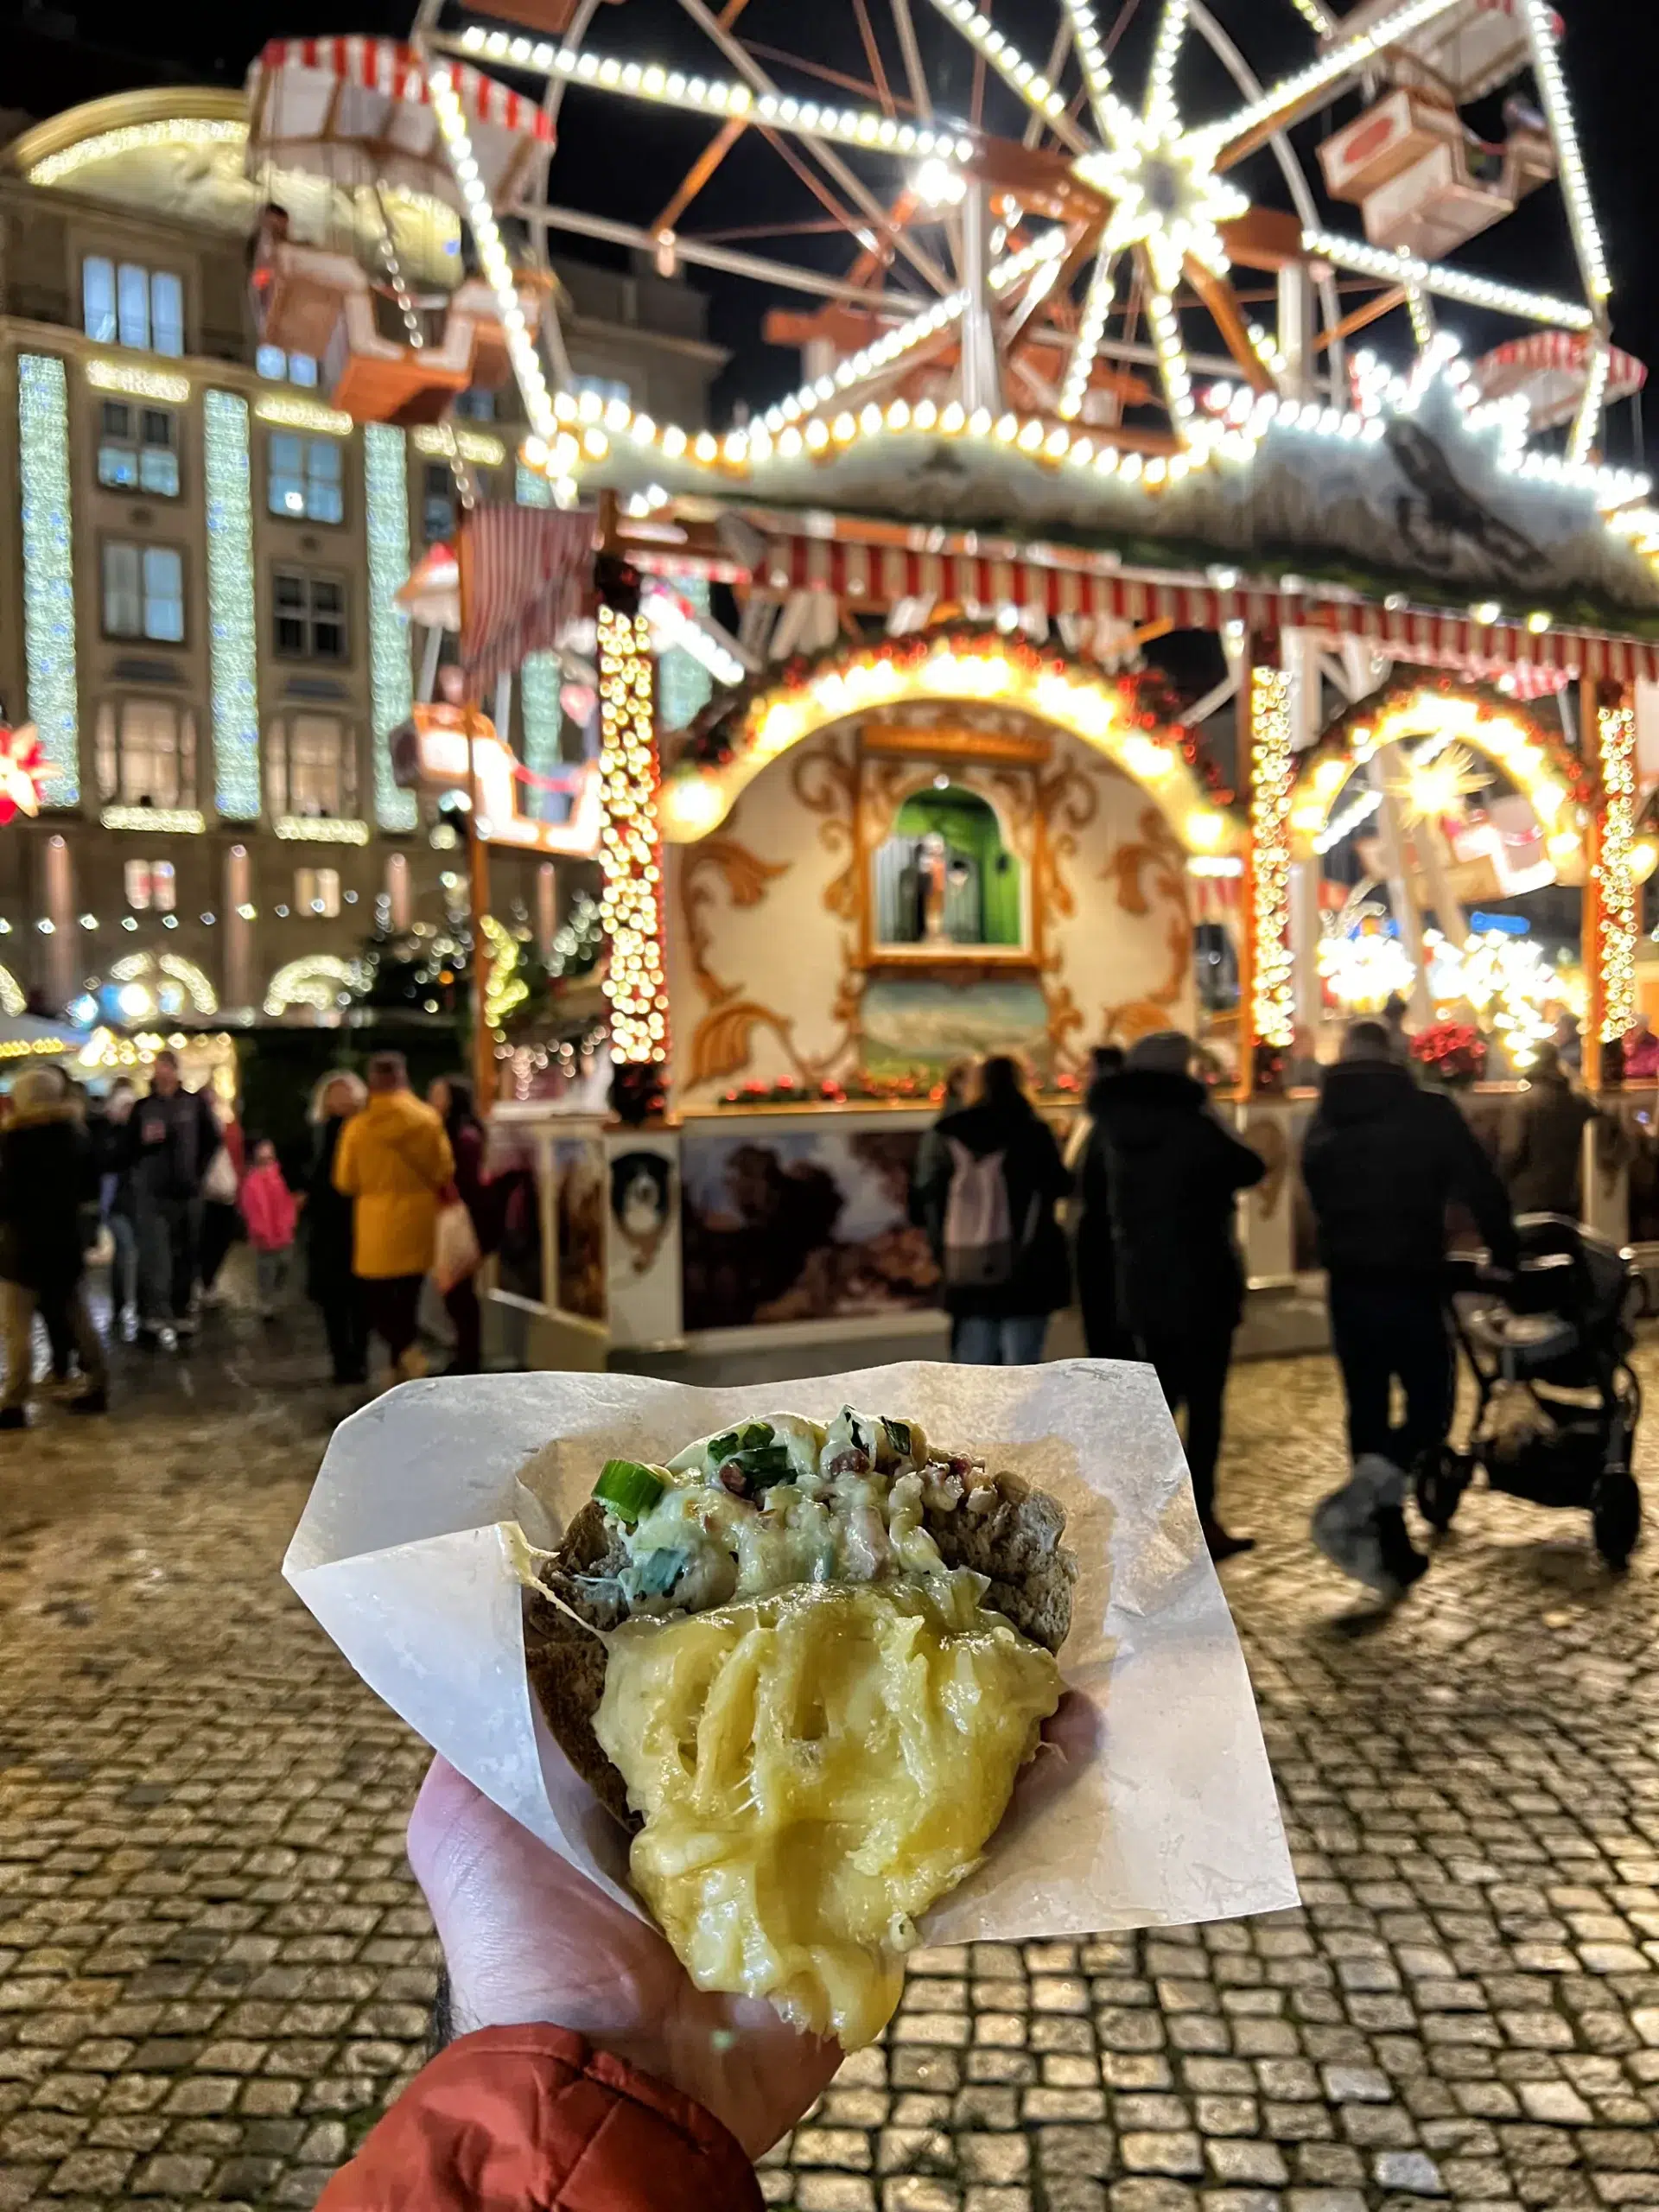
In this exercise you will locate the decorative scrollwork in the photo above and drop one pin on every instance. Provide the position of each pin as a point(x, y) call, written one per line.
point(1155, 858)
point(826, 784)
point(746, 876)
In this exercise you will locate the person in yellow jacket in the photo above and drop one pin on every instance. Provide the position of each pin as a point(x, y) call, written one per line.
point(394, 1160)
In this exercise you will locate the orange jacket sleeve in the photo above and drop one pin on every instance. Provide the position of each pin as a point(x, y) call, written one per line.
point(534, 2119)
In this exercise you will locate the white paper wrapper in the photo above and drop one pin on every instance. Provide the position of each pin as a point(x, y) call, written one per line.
point(405, 1555)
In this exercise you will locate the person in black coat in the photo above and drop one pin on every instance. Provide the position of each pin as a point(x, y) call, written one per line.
point(1104, 1331)
point(999, 1307)
point(1544, 1168)
point(49, 1174)
point(1383, 1160)
point(329, 1281)
point(1176, 1174)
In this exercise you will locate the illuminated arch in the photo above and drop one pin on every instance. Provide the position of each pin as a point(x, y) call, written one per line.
point(151, 973)
point(1114, 715)
point(317, 980)
point(1536, 759)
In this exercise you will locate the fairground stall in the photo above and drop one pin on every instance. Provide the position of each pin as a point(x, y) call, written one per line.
point(1114, 641)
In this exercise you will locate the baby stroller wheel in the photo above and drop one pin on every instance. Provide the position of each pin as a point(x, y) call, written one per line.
point(1442, 1478)
point(1616, 1512)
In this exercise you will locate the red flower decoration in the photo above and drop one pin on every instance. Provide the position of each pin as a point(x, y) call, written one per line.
point(23, 769)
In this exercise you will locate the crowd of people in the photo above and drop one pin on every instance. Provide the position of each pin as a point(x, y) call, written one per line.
point(1149, 1246)
point(163, 1185)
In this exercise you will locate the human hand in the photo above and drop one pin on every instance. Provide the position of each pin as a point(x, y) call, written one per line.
point(527, 1938)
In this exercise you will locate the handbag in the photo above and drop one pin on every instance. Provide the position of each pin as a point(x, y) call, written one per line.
point(455, 1251)
point(219, 1183)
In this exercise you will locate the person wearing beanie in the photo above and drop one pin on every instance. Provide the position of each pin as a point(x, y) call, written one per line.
point(49, 1173)
point(1174, 1174)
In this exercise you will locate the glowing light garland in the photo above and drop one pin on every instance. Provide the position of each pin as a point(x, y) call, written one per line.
point(321, 829)
point(865, 127)
point(302, 415)
point(506, 989)
point(1616, 906)
point(137, 137)
point(317, 980)
point(49, 568)
point(1450, 283)
point(137, 383)
point(1353, 54)
point(1271, 772)
point(1004, 57)
point(631, 855)
point(232, 636)
point(386, 465)
point(171, 821)
point(1575, 188)
point(446, 438)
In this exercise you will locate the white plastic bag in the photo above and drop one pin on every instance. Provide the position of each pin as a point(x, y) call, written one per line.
point(456, 1254)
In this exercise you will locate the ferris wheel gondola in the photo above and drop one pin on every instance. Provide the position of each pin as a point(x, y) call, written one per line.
point(357, 112)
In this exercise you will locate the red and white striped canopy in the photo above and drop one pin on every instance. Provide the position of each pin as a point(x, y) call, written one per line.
point(877, 576)
point(1553, 369)
point(359, 109)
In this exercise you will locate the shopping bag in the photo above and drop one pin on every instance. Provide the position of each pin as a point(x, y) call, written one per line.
point(455, 1253)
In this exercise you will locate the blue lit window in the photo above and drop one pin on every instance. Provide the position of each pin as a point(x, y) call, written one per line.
point(475, 404)
point(438, 503)
point(143, 592)
point(137, 449)
point(306, 477)
point(279, 368)
point(132, 306)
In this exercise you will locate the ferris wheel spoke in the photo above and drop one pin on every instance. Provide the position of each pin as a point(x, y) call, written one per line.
point(1160, 108)
point(1091, 328)
point(924, 263)
point(915, 75)
point(1171, 349)
point(1037, 124)
point(1109, 111)
point(1029, 83)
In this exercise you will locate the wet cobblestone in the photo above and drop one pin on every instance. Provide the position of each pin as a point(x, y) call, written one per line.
point(214, 1970)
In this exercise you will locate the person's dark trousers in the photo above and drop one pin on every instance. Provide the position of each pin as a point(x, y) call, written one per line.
point(54, 1307)
point(1103, 1333)
point(392, 1306)
point(167, 1230)
point(220, 1224)
point(1382, 1328)
point(1192, 1373)
point(347, 1329)
point(460, 1303)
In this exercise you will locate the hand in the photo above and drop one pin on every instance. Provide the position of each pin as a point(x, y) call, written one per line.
point(527, 1938)
point(154, 1132)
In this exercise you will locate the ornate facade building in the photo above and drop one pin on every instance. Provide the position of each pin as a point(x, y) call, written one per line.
point(198, 560)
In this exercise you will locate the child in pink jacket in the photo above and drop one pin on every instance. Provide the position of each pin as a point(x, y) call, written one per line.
point(269, 1209)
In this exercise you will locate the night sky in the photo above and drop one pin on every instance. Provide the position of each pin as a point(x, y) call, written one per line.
point(62, 51)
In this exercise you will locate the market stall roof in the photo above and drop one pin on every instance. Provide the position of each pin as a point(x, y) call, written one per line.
point(33, 1036)
point(353, 109)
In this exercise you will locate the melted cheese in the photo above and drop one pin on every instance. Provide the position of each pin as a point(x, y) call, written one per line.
point(815, 1768)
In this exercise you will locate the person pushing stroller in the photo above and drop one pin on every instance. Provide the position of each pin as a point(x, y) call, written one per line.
point(1382, 1162)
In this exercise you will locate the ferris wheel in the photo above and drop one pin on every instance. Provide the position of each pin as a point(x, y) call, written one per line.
point(1083, 221)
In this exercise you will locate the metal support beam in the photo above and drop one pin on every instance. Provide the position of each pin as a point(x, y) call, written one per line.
point(981, 384)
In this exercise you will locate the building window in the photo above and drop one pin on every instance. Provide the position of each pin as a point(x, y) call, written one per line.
point(316, 891)
point(310, 767)
point(306, 477)
point(310, 615)
point(138, 449)
point(123, 304)
point(438, 502)
point(603, 387)
point(475, 404)
point(286, 368)
point(143, 592)
point(150, 884)
point(146, 753)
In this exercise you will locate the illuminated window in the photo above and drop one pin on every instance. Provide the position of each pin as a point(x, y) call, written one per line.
point(138, 449)
point(438, 502)
point(143, 592)
point(603, 387)
point(279, 368)
point(308, 615)
point(316, 891)
point(146, 753)
point(310, 767)
point(150, 884)
point(305, 480)
point(126, 305)
point(475, 405)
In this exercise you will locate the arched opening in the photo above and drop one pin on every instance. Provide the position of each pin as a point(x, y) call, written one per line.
point(945, 876)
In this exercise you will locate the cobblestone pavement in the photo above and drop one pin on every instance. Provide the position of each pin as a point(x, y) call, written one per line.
point(213, 1969)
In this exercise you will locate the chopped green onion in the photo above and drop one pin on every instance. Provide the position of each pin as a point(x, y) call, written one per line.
point(722, 1447)
point(756, 1436)
point(628, 1488)
point(898, 1436)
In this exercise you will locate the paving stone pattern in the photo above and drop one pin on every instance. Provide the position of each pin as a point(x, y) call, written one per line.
point(214, 1970)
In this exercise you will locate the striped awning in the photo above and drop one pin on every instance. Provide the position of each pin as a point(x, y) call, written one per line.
point(879, 576)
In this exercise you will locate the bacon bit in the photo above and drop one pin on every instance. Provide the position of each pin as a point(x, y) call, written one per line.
point(849, 1463)
point(731, 1477)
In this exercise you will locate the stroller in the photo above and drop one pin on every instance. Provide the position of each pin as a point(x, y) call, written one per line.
point(1559, 1404)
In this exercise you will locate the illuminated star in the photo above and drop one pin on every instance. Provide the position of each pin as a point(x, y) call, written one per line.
point(1165, 196)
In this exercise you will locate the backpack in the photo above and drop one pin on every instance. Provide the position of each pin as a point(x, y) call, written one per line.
point(979, 1249)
